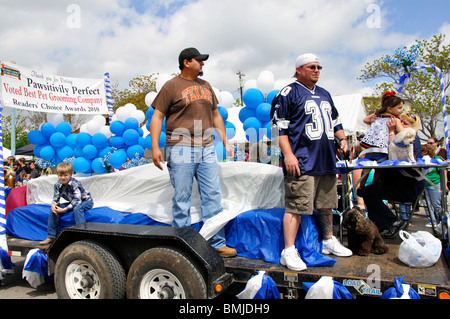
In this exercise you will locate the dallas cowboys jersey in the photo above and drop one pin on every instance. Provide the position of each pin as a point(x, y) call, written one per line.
point(310, 119)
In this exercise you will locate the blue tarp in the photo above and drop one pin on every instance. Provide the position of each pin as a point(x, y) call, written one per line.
point(256, 234)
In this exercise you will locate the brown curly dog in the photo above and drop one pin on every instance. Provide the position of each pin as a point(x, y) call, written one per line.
point(363, 235)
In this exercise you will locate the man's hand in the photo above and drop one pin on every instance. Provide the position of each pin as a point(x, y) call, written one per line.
point(158, 158)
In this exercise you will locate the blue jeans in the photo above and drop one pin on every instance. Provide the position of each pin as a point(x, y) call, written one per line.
point(434, 197)
point(184, 164)
point(78, 214)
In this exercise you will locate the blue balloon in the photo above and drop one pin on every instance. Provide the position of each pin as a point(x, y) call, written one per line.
point(131, 137)
point(271, 96)
point(131, 123)
point(135, 149)
point(263, 112)
point(221, 153)
point(97, 166)
point(71, 140)
point(142, 142)
point(81, 165)
point(252, 98)
point(117, 142)
point(83, 139)
point(162, 140)
point(99, 140)
point(89, 151)
point(57, 139)
point(36, 137)
point(251, 127)
point(149, 113)
point(47, 129)
point(78, 151)
point(47, 153)
point(230, 129)
point(37, 150)
point(64, 128)
point(246, 113)
point(102, 153)
point(118, 158)
point(223, 112)
point(117, 128)
point(64, 152)
point(148, 142)
point(268, 130)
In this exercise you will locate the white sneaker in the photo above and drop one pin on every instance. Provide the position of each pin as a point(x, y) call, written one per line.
point(291, 259)
point(334, 246)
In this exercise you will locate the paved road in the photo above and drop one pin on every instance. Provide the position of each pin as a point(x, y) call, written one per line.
point(14, 287)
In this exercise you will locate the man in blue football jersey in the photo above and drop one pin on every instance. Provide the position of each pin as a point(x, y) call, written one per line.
point(308, 122)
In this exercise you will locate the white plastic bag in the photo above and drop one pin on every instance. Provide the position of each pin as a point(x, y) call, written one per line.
point(420, 249)
point(322, 289)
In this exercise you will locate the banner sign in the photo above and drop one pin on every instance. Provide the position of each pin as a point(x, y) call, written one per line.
point(27, 89)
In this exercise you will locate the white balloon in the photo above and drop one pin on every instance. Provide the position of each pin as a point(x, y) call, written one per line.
point(93, 127)
point(218, 95)
point(100, 119)
point(122, 113)
point(130, 107)
point(265, 82)
point(250, 84)
point(227, 99)
point(83, 129)
point(55, 118)
point(279, 84)
point(106, 131)
point(149, 98)
point(138, 115)
point(163, 78)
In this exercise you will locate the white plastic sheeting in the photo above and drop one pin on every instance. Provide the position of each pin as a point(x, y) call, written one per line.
point(147, 190)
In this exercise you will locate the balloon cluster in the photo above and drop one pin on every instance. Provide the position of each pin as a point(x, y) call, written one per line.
point(87, 150)
point(257, 97)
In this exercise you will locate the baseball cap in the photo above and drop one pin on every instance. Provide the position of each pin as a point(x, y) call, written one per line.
point(191, 53)
point(305, 59)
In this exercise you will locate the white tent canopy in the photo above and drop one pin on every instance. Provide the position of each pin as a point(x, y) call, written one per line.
point(350, 107)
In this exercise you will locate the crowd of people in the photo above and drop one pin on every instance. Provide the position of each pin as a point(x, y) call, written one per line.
point(18, 172)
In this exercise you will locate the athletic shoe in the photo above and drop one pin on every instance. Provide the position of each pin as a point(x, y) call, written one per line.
point(291, 259)
point(334, 246)
point(393, 230)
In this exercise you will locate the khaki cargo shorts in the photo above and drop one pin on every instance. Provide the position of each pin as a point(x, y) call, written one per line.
point(305, 193)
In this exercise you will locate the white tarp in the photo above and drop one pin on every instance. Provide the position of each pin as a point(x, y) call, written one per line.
point(146, 189)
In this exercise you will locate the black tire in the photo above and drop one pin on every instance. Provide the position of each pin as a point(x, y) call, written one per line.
point(89, 270)
point(164, 273)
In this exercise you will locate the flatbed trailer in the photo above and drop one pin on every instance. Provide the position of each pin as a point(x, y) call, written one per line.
point(364, 276)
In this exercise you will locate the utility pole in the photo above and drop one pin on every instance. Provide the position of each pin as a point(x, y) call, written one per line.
point(241, 86)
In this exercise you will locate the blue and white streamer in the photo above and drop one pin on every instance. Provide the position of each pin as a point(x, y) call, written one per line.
point(109, 96)
point(3, 243)
point(260, 286)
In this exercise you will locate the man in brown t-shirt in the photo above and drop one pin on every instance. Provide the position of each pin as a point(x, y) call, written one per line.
point(190, 108)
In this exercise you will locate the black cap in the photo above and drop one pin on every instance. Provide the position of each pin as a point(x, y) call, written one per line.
point(191, 53)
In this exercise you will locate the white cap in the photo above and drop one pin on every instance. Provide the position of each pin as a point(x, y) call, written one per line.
point(305, 59)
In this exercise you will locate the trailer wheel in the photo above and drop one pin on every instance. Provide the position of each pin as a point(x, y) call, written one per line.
point(88, 270)
point(164, 273)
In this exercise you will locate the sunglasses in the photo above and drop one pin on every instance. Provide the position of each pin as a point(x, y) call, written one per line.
point(314, 67)
point(412, 116)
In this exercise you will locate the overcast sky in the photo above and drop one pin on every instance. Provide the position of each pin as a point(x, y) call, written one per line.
point(131, 38)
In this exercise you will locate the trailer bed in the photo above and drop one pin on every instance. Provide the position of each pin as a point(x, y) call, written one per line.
point(364, 276)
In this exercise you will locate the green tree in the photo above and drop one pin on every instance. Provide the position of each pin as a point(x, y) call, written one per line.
point(424, 89)
point(22, 129)
point(135, 94)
